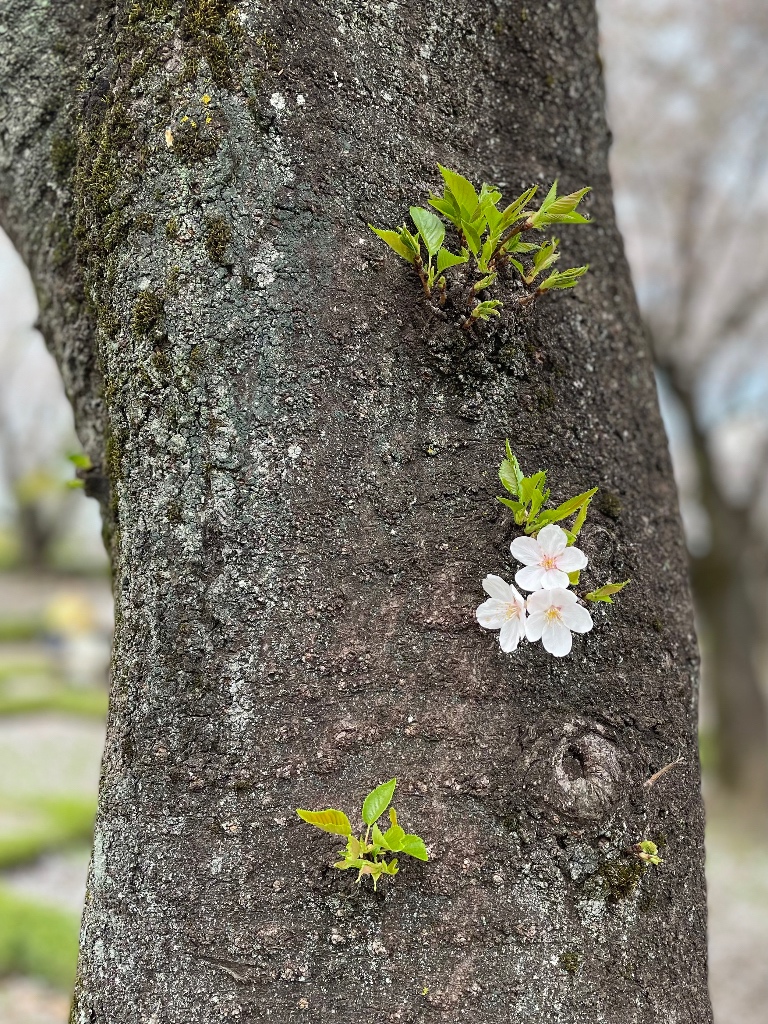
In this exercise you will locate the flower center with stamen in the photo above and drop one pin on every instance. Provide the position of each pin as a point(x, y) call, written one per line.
point(553, 614)
point(549, 562)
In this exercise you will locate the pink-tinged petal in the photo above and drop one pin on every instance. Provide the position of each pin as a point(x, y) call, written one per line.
point(534, 626)
point(517, 597)
point(492, 614)
point(556, 639)
point(495, 586)
point(571, 560)
point(554, 579)
point(576, 618)
point(511, 634)
point(526, 550)
point(538, 601)
point(530, 577)
point(552, 539)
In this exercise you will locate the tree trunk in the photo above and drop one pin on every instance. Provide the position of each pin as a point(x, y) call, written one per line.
point(297, 466)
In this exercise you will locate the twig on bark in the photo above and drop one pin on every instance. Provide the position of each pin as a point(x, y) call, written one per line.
point(662, 771)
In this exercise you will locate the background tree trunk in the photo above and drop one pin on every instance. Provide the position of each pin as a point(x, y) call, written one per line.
point(297, 467)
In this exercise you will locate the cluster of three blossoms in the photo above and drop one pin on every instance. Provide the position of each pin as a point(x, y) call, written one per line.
point(551, 612)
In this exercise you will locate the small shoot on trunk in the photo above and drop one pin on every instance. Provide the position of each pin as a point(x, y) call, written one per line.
point(367, 852)
point(489, 240)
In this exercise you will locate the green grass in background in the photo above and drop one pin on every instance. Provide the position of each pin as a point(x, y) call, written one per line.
point(37, 941)
point(44, 825)
point(84, 703)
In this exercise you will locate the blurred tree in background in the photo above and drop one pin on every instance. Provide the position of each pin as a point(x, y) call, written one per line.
point(689, 103)
point(44, 524)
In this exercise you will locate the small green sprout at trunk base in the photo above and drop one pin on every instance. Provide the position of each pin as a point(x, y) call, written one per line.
point(367, 852)
point(489, 239)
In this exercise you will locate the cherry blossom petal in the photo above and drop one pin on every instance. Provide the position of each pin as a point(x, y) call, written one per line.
point(492, 614)
point(511, 633)
point(530, 577)
point(538, 601)
point(557, 639)
point(534, 626)
point(526, 550)
point(552, 540)
point(576, 618)
point(495, 586)
point(554, 579)
point(571, 560)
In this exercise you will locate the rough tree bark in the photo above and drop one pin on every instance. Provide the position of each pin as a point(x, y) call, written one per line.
point(297, 467)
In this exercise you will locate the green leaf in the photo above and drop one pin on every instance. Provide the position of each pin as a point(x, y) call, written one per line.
point(446, 259)
point(537, 500)
point(564, 279)
point(518, 266)
point(344, 865)
point(329, 820)
point(472, 237)
point(567, 204)
point(514, 505)
point(514, 463)
point(574, 577)
point(430, 227)
point(492, 216)
point(572, 505)
point(80, 460)
point(489, 247)
point(446, 205)
point(377, 801)
point(414, 847)
point(565, 218)
point(489, 195)
point(515, 209)
point(510, 475)
point(485, 310)
point(516, 244)
point(393, 838)
point(578, 522)
point(604, 593)
point(377, 836)
point(462, 190)
point(529, 485)
point(543, 260)
point(484, 282)
point(395, 241)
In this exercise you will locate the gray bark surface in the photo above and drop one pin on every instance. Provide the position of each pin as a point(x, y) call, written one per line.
point(297, 467)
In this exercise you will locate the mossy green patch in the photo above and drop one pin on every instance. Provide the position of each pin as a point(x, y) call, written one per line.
point(63, 157)
point(570, 961)
point(148, 315)
point(609, 504)
point(145, 223)
point(213, 32)
point(218, 235)
point(193, 143)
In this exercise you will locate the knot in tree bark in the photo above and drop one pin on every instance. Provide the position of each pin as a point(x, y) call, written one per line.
point(575, 773)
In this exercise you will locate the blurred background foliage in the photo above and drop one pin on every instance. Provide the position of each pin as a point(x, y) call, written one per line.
point(688, 104)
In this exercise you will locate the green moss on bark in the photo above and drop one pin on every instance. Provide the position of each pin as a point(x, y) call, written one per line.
point(218, 235)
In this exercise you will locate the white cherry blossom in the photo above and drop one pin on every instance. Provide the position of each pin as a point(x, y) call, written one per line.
point(547, 559)
point(552, 615)
point(504, 610)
